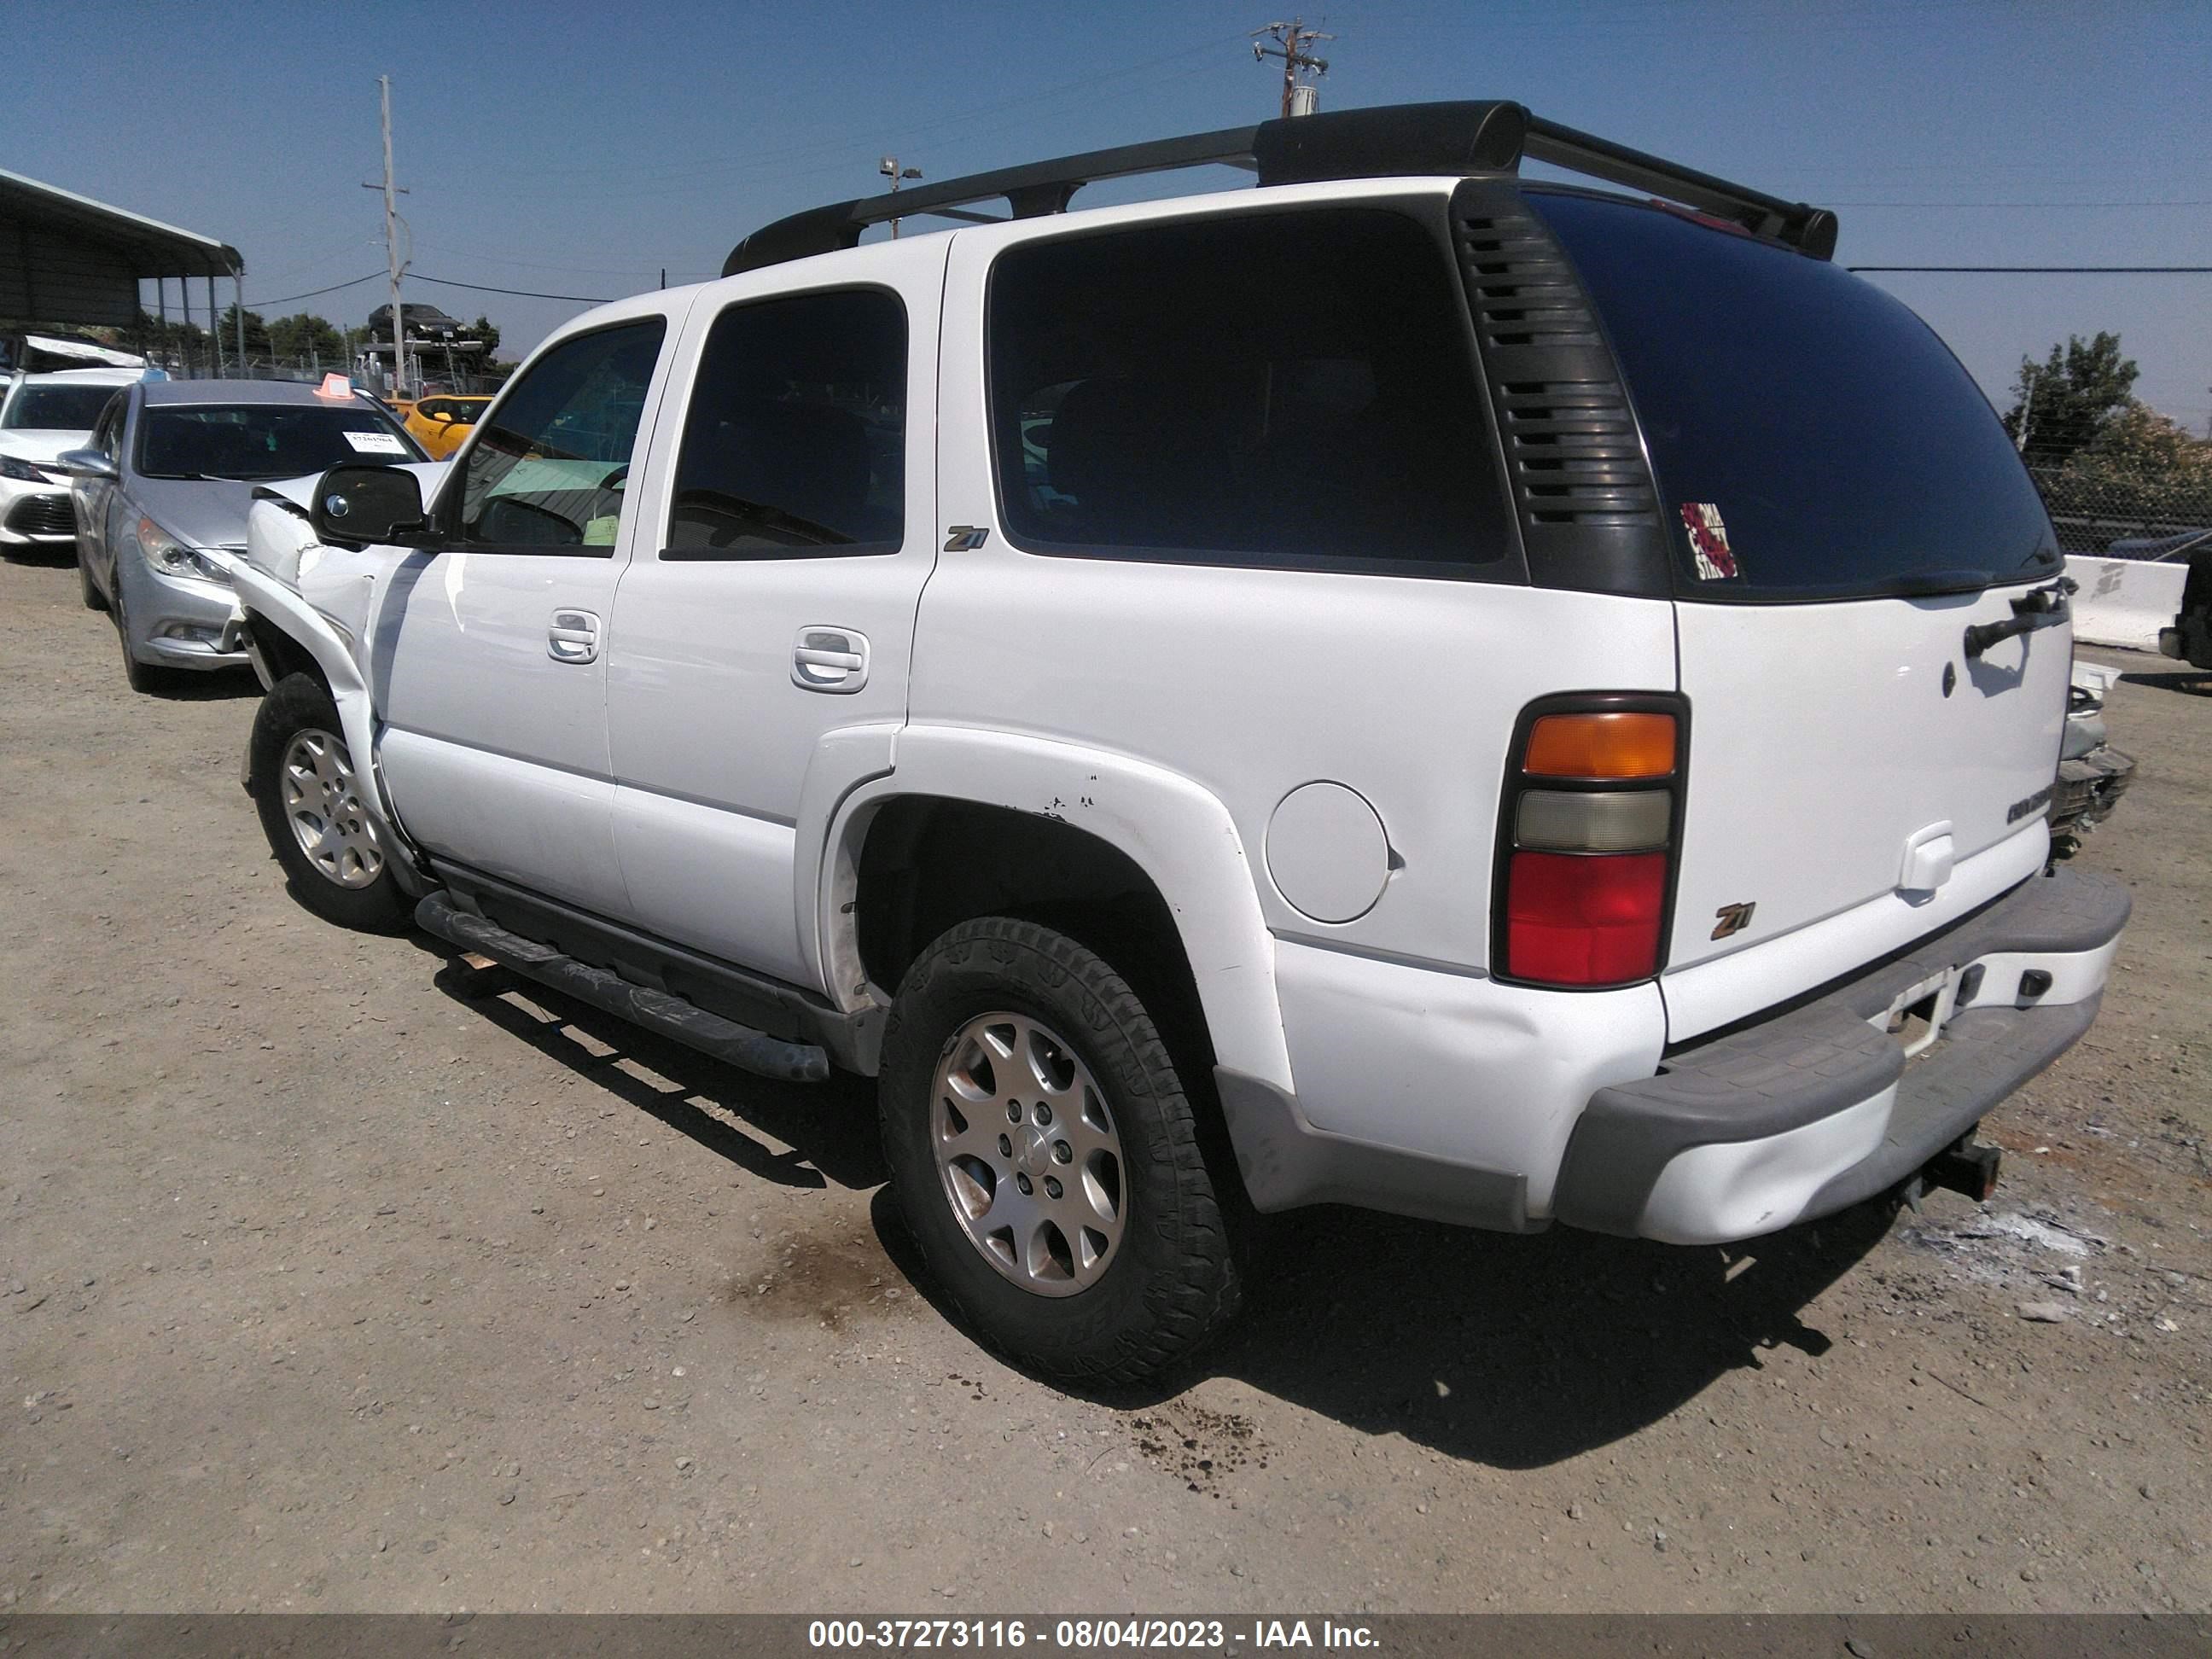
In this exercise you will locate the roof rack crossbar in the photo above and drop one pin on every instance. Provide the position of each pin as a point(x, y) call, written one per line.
point(1446, 139)
point(1028, 192)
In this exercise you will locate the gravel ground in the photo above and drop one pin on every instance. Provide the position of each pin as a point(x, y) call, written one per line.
point(327, 1282)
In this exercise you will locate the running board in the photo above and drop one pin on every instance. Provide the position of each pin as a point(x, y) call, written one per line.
point(657, 1011)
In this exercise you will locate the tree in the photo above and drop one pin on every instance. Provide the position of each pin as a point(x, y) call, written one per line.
point(256, 332)
point(173, 341)
point(2063, 403)
point(305, 338)
point(487, 331)
point(2151, 464)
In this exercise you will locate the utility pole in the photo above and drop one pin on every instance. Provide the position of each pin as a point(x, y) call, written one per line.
point(889, 166)
point(391, 246)
point(1300, 97)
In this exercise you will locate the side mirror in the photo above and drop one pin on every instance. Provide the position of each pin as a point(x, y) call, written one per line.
point(364, 504)
point(86, 464)
point(443, 418)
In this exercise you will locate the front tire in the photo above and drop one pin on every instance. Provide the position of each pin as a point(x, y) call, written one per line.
point(87, 590)
point(144, 678)
point(335, 856)
point(1045, 1157)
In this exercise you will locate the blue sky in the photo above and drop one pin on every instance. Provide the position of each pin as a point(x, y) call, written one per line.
point(579, 150)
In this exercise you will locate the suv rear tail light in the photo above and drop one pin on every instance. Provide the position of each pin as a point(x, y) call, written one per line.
point(1573, 921)
point(1614, 743)
point(1591, 815)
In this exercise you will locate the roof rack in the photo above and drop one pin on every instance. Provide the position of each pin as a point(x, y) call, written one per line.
point(1491, 136)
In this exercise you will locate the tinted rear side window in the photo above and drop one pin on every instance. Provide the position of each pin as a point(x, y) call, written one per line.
point(1281, 389)
point(795, 443)
point(1841, 446)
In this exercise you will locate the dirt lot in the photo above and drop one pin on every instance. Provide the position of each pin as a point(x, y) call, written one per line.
point(324, 1286)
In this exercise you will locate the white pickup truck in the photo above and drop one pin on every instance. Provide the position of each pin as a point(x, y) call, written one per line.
point(1403, 686)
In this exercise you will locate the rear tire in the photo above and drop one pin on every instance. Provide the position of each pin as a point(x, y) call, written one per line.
point(336, 857)
point(1124, 1267)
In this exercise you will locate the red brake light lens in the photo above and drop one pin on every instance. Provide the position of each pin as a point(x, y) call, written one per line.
point(1573, 919)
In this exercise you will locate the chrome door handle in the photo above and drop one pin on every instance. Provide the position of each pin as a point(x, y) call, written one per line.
point(829, 660)
point(573, 637)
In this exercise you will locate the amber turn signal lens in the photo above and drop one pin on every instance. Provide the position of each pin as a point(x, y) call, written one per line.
point(1608, 745)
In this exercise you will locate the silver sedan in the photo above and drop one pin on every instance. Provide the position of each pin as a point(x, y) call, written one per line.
point(162, 494)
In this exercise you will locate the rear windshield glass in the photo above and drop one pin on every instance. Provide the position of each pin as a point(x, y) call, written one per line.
point(1811, 436)
point(58, 407)
point(265, 440)
point(1285, 389)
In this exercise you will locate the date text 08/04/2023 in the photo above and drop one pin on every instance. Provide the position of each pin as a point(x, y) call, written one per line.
point(1202, 1635)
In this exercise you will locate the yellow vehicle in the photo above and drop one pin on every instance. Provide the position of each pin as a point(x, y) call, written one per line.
point(440, 423)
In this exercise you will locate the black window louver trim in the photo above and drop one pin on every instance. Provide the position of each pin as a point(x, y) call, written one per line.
point(1571, 449)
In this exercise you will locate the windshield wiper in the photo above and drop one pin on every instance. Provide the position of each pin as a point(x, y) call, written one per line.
point(1917, 584)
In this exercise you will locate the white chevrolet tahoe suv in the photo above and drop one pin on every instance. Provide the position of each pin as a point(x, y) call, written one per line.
point(1404, 686)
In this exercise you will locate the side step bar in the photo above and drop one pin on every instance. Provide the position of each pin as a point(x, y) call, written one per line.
point(657, 1011)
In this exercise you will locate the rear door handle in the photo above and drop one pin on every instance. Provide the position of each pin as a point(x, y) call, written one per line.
point(573, 637)
point(829, 660)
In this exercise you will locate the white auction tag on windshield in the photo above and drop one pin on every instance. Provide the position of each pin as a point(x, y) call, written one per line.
point(376, 443)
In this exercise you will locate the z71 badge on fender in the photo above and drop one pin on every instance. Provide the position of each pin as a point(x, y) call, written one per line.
point(1734, 918)
point(2035, 804)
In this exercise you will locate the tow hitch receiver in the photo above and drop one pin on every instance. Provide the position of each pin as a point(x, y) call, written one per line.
point(1965, 1166)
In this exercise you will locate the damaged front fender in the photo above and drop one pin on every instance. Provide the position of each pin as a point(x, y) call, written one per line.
point(280, 541)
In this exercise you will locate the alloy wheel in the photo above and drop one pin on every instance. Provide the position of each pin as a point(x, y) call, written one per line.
point(1028, 1153)
point(322, 806)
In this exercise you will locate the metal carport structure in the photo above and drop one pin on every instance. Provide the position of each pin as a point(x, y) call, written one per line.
point(67, 259)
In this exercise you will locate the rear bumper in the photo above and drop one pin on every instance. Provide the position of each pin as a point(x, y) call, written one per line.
point(1816, 1108)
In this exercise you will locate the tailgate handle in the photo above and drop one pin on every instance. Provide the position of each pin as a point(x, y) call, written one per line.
point(2040, 607)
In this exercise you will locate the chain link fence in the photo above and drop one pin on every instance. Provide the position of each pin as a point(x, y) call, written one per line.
point(2092, 512)
point(196, 361)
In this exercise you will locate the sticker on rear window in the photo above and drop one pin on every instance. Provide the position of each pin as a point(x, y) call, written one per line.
point(1708, 541)
point(376, 443)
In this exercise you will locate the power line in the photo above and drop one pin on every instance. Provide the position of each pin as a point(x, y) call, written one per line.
point(518, 292)
point(534, 264)
point(631, 180)
point(442, 282)
point(2050, 271)
point(314, 292)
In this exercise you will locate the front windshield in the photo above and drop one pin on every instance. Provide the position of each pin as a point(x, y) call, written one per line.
point(265, 440)
point(57, 408)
